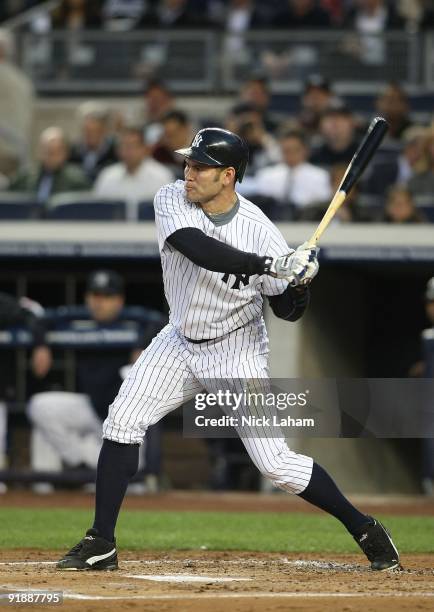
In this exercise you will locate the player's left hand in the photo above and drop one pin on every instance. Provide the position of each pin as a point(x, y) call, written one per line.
point(299, 267)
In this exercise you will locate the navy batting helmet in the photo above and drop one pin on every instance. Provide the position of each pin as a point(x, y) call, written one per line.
point(216, 147)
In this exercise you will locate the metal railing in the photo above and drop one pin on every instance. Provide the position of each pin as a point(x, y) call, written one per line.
point(118, 61)
point(208, 62)
point(24, 18)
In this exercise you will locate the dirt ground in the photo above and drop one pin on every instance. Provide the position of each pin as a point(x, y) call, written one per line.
point(253, 582)
point(206, 581)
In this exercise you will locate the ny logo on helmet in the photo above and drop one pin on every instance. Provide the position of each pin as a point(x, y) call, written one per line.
point(197, 140)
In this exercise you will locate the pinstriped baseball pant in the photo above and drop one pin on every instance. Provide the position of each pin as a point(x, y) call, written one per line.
point(171, 370)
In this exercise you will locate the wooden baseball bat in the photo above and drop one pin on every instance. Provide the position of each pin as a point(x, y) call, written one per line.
point(370, 143)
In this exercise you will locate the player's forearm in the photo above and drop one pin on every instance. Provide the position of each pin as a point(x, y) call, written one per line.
point(214, 255)
point(291, 304)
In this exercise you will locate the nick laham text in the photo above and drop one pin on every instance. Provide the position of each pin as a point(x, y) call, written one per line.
point(252, 421)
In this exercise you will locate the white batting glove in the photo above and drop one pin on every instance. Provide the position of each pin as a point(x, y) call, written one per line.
point(298, 268)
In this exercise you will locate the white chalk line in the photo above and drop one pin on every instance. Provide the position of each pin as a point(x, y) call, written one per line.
point(218, 595)
point(183, 578)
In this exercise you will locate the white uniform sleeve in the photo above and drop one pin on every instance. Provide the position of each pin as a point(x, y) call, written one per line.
point(276, 248)
point(172, 212)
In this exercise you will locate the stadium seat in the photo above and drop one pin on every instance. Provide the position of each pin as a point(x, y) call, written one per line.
point(425, 204)
point(370, 207)
point(18, 206)
point(84, 207)
point(146, 211)
point(427, 211)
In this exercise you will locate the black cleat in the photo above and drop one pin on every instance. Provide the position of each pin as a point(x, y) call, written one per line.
point(375, 541)
point(92, 553)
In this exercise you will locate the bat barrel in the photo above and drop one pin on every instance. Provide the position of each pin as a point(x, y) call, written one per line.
point(370, 143)
point(372, 140)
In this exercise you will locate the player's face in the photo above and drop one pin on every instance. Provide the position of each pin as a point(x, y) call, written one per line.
point(104, 308)
point(203, 183)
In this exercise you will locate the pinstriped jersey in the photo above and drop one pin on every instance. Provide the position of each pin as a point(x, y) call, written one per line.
point(205, 304)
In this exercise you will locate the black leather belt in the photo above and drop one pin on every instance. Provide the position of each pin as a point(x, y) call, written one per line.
point(199, 341)
point(212, 339)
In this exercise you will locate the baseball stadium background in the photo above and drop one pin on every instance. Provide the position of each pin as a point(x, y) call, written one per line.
point(205, 532)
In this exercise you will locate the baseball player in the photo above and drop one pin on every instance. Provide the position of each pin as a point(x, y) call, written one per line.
point(220, 257)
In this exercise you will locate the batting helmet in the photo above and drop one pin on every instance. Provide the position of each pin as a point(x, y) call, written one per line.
point(216, 147)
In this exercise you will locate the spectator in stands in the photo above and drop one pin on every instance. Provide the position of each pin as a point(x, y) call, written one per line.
point(159, 101)
point(301, 14)
point(316, 98)
point(400, 207)
point(426, 21)
point(293, 183)
point(137, 177)
point(16, 110)
point(177, 134)
point(96, 148)
point(26, 313)
point(76, 15)
point(297, 58)
point(54, 174)
point(67, 427)
point(421, 185)
point(385, 172)
point(237, 19)
point(392, 104)
point(121, 15)
point(256, 91)
point(173, 14)
point(246, 120)
point(336, 10)
point(373, 15)
point(339, 135)
point(412, 11)
point(369, 18)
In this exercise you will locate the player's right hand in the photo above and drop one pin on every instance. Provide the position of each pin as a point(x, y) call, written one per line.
point(298, 268)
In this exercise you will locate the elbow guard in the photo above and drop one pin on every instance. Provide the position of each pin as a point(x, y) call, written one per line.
point(291, 304)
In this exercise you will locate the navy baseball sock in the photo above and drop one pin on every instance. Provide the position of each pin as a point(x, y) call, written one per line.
point(324, 493)
point(117, 463)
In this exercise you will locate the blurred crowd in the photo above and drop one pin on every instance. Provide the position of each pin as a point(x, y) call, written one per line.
point(297, 157)
point(230, 15)
point(296, 160)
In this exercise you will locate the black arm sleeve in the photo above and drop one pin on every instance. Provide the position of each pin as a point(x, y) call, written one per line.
point(291, 304)
point(214, 255)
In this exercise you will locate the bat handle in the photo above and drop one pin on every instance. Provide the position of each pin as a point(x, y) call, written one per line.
point(338, 200)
